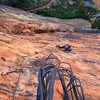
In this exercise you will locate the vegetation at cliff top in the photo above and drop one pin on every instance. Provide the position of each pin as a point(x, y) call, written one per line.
point(68, 9)
point(96, 24)
point(64, 9)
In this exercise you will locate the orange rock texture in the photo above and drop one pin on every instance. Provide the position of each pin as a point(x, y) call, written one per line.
point(97, 1)
point(24, 39)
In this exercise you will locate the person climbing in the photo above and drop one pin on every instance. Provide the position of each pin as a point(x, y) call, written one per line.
point(65, 47)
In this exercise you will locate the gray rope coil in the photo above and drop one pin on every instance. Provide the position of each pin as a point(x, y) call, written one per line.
point(49, 72)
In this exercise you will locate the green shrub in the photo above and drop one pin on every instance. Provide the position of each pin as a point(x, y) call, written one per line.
point(96, 24)
point(66, 10)
point(31, 3)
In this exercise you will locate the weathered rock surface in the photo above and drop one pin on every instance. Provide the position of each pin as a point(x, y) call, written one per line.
point(97, 2)
point(20, 43)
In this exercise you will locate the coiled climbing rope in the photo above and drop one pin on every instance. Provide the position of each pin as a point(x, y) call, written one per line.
point(51, 70)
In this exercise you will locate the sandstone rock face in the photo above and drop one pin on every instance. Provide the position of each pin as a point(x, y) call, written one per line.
point(97, 2)
point(24, 39)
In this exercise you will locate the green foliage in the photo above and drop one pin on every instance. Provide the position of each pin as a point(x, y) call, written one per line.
point(26, 3)
point(96, 24)
point(68, 9)
point(31, 3)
